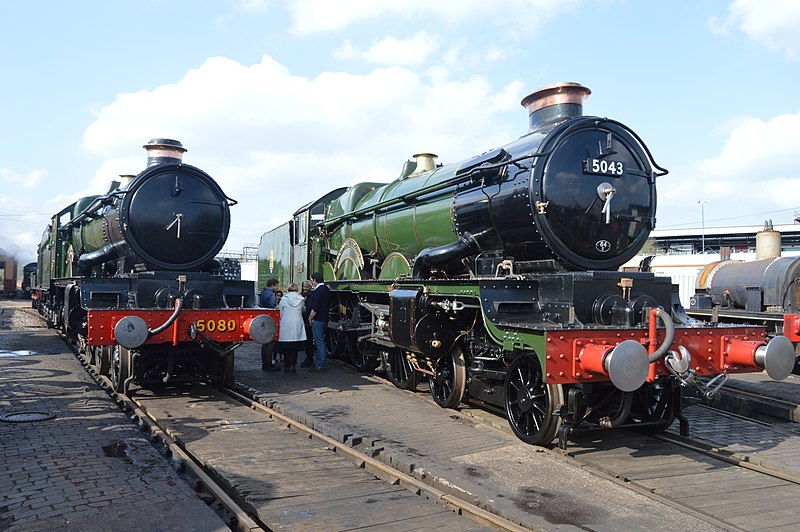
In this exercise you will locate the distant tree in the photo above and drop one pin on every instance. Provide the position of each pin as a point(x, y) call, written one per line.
point(650, 247)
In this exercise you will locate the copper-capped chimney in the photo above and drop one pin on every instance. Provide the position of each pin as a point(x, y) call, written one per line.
point(164, 151)
point(555, 103)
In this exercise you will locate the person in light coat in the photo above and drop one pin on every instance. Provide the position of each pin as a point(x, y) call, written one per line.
point(292, 337)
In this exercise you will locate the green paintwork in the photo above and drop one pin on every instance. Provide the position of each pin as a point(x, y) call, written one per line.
point(275, 260)
point(395, 265)
point(327, 272)
point(349, 261)
point(404, 216)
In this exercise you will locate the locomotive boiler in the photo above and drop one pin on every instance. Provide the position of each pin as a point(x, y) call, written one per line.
point(131, 276)
point(495, 279)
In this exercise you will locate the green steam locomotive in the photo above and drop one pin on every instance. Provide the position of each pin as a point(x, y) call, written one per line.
point(131, 277)
point(496, 280)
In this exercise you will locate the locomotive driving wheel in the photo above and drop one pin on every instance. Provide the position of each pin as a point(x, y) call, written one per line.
point(120, 367)
point(359, 354)
point(333, 341)
point(399, 370)
point(100, 358)
point(530, 402)
point(449, 381)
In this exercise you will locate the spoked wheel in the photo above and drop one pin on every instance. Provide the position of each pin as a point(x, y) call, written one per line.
point(96, 358)
point(653, 403)
point(530, 402)
point(449, 382)
point(334, 342)
point(399, 370)
point(120, 368)
point(359, 358)
point(93, 353)
point(104, 359)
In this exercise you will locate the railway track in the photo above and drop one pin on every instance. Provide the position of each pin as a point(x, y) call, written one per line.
point(703, 475)
point(235, 447)
point(716, 474)
point(712, 484)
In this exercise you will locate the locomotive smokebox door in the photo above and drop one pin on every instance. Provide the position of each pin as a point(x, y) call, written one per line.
point(403, 307)
point(599, 191)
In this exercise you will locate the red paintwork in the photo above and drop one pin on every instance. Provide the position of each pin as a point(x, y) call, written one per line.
point(102, 322)
point(576, 356)
point(791, 327)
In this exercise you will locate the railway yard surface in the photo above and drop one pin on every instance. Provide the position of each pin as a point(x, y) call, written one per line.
point(74, 460)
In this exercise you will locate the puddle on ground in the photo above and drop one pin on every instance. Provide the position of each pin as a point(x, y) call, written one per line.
point(115, 450)
point(5, 353)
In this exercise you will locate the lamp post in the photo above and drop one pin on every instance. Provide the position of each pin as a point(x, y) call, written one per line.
point(702, 204)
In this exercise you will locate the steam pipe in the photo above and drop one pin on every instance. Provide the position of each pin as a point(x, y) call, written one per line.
point(669, 336)
point(625, 411)
point(88, 260)
point(95, 205)
point(463, 247)
point(170, 320)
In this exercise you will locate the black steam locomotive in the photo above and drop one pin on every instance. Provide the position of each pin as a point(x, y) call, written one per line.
point(131, 276)
point(495, 279)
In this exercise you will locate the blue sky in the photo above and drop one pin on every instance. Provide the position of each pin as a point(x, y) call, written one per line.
point(283, 100)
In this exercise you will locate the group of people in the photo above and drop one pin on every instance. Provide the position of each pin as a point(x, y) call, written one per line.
point(304, 318)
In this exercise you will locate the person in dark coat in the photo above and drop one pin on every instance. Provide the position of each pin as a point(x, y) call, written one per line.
point(319, 303)
point(266, 299)
point(309, 347)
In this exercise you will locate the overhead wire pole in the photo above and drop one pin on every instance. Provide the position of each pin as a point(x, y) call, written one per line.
point(702, 204)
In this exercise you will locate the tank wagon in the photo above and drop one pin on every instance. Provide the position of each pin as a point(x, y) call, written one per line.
point(131, 277)
point(764, 291)
point(496, 279)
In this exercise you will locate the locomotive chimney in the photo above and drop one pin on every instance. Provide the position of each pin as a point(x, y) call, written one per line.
point(164, 151)
point(554, 103)
point(426, 162)
point(423, 162)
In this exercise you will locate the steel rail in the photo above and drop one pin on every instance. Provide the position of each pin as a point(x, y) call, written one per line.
point(244, 522)
point(377, 467)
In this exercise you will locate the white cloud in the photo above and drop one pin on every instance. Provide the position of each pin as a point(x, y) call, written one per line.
point(755, 172)
point(773, 24)
point(275, 140)
point(392, 51)
point(15, 179)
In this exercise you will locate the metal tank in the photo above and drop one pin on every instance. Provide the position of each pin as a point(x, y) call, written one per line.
point(761, 285)
point(768, 284)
